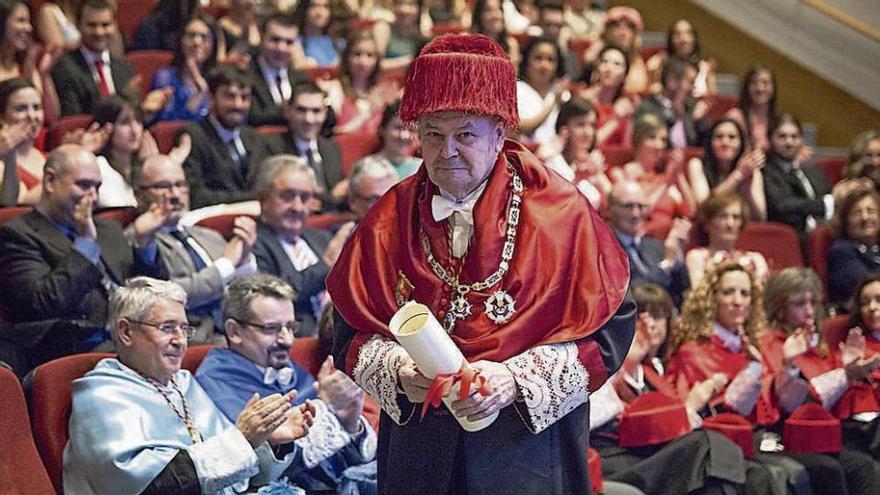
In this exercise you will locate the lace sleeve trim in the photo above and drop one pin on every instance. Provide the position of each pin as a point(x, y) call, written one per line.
point(325, 438)
point(378, 361)
point(552, 383)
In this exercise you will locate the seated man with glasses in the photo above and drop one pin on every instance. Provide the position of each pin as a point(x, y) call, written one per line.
point(260, 330)
point(650, 260)
point(285, 247)
point(198, 259)
point(140, 424)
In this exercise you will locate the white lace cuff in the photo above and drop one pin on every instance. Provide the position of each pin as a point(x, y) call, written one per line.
point(378, 362)
point(792, 393)
point(325, 438)
point(605, 405)
point(224, 460)
point(830, 386)
point(552, 383)
point(742, 393)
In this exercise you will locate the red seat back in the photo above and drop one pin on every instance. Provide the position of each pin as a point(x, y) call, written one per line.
point(327, 221)
point(719, 105)
point(147, 62)
point(272, 130)
point(50, 395)
point(7, 213)
point(194, 356)
point(321, 73)
point(617, 156)
point(834, 330)
point(355, 146)
point(305, 353)
point(222, 224)
point(818, 244)
point(779, 243)
point(122, 214)
point(164, 132)
point(832, 167)
point(129, 15)
point(63, 125)
point(21, 470)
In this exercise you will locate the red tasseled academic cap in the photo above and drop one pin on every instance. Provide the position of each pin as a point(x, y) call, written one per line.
point(467, 73)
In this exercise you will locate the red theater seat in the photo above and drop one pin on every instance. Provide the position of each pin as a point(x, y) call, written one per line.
point(147, 62)
point(63, 125)
point(222, 224)
point(779, 243)
point(818, 244)
point(832, 167)
point(123, 214)
point(21, 470)
point(164, 132)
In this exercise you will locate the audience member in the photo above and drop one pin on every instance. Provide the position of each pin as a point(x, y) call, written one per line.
point(661, 174)
point(683, 43)
point(864, 158)
point(168, 436)
point(487, 17)
point(623, 28)
point(801, 363)
point(757, 106)
point(20, 56)
point(539, 90)
point(61, 263)
point(285, 247)
point(575, 157)
point(584, 19)
point(729, 165)
point(261, 330)
point(83, 76)
point(127, 144)
point(683, 114)
point(195, 56)
point(196, 258)
point(313, 20)
point(225, 151)
point(400, 41)
point(370, 179)
point(606, 91)
point(21, 122)
point(552, 25)
point(798, 193)
point(305, 117)
point(396, 144)
point(241, 32)
point(272, 70)
point(165, 26)
point(720, 221)
point(650, 260)
point(358, 97)
point(855, 252)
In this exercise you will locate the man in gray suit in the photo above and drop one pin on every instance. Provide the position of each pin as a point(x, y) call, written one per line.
point(198, 259)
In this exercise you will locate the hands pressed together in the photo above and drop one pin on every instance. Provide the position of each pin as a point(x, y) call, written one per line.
point(274, 419)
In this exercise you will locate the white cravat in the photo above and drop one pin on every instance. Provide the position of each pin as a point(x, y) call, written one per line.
point(460, 214)
point(731, 341)
point(283, 376)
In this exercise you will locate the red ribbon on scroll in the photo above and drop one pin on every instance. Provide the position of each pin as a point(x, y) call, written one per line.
point(466, 377)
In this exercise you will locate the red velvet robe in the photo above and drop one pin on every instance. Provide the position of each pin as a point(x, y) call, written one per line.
point(568, 274)
point(694, 362)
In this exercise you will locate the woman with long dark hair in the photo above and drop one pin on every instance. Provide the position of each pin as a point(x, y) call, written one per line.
point(757, 106)
point(683, 42)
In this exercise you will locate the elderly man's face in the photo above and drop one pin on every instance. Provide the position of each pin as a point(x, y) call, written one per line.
point(286, 207)
point(365, 194)
point(150, 350)
point(163, 181)
point(78, 181)
point(628, 210)
point(460, 149)
point(267, 339)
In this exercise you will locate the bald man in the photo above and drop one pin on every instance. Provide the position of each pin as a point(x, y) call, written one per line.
point(198, 259)
point(61, 263)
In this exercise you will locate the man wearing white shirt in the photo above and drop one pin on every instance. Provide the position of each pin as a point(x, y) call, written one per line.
point(198, 259)
point(300, 256)
point(272, 70)
point(83, 76)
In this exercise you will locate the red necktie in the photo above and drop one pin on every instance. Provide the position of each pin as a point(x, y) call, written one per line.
point(102, 81)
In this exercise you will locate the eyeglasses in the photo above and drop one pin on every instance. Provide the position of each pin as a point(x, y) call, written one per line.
point(168, 186)
point(170, 327)
point(273, 329)
point(289, 195)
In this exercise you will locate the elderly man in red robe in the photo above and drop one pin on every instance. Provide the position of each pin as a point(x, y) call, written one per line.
point(525, 277)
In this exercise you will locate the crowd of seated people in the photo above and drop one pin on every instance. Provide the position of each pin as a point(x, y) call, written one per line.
point(282, 117)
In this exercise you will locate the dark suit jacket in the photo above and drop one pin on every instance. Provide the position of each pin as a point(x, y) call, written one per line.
point(331, 161)
point(787, 201)
point(213, 176)
point(675, 280)
point(77, 90)
point(849, 263)
point(273, 259)
point(695, 130)
point(264, 110)
point(53, 295)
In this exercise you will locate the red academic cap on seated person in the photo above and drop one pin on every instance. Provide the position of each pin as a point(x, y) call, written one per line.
point(736, 428)
point(651, 419)
point(812, 429)
point(468, 73)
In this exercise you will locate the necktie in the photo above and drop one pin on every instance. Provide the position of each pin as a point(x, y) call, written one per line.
point(185, 239)
point(637, 262)
point(283, 376)
point(809, 191)
point(279, 83)
point(103, 87)
point(303, 257)
point(107, 281)
point(314, 160)
point(236, 156)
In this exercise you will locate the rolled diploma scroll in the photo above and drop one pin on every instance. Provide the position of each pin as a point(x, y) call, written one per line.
point(428, 344)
